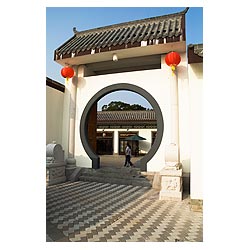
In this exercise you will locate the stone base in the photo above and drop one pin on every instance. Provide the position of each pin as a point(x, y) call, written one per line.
point(70, 162)
point(171, 183)
point(55, 173)
point(75, 175)
point(170, 195)
point(167, 171)
point(69, 171)
point(157, 182)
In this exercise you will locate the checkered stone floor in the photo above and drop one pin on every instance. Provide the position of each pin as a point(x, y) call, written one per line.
point(100, 212)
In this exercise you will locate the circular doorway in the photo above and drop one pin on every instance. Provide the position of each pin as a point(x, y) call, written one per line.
point(142, 164)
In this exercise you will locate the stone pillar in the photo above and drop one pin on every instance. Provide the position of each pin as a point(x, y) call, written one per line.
point(69, 104)
point(116, 142)
point(72, 114)
point(172, 150)
point(171, 174)
point(69, 114)
point(65, 123)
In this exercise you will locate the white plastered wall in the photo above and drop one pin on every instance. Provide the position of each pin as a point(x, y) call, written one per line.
point(195, 72)
point(156, 82)
point(54, 114)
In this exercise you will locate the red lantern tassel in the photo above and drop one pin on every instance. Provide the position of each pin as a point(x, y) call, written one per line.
point(173, 67)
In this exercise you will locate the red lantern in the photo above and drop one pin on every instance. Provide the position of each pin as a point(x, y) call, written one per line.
point(172, 59)
point(67, 72)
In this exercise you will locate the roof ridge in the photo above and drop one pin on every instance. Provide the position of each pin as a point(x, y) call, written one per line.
point(108, 111)
point(125, 116)
point(129, 23)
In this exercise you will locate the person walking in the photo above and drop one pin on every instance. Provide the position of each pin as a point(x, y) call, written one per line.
point(128, 156)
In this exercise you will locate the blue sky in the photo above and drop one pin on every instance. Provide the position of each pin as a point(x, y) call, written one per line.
point(61, 20)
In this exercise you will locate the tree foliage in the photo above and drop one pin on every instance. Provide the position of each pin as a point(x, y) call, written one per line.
point(121, 106)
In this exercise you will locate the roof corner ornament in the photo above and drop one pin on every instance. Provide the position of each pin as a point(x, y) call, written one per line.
point(186, 10)
point(74, 30)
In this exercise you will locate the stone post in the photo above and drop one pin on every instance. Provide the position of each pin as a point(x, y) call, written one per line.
point(69, 114)
point(172, 150)
point(72, 114)
point(171, 174)
point(116, 142)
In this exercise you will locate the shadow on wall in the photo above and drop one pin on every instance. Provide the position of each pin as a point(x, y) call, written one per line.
point(186, 175)
point(197, 69)
point(81, 82)
point(182, 72)
point(186, 165)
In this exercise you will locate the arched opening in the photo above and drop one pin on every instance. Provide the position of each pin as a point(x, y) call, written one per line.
point(85, 131)
point(124, 116)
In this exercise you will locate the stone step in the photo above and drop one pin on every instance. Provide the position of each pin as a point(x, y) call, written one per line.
point(123, 170)
point(123, 176)
point(112, 172)
point(137, 181)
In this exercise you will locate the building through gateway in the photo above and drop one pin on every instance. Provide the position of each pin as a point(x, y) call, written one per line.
point(113, 127)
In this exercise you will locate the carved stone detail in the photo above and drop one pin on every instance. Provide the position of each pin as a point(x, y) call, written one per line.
point(171, 184)
point(55, 164)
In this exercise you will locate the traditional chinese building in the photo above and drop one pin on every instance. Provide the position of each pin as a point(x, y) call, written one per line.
point(113, 127)
point(131, 56)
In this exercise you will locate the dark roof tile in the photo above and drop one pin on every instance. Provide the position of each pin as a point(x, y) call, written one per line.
point(167, 26)
point(126, 116)
point(195, 53)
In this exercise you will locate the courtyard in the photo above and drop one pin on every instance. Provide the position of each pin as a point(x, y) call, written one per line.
point(103, 212)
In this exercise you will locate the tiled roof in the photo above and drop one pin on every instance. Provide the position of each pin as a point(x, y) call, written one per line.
point(198, 49)
point(54, 84)
point(195, 53)
point(161, 29)
point(126, 116)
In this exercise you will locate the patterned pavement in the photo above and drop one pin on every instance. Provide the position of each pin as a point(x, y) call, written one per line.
point(104, 212)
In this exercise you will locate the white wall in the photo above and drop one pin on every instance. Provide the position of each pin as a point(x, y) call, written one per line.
point(195, 72)
point(54, 113)
point(156, 82)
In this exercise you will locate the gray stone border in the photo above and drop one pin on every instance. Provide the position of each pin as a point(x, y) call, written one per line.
point(142, 164)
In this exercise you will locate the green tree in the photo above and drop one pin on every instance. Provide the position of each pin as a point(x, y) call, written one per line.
point(121, 106)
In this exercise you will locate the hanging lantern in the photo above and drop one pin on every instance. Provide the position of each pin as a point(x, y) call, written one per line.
point(172, 59)
point(67, 72)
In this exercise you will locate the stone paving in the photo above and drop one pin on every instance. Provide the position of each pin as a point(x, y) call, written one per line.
point(104, 212)
point(116, 160)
